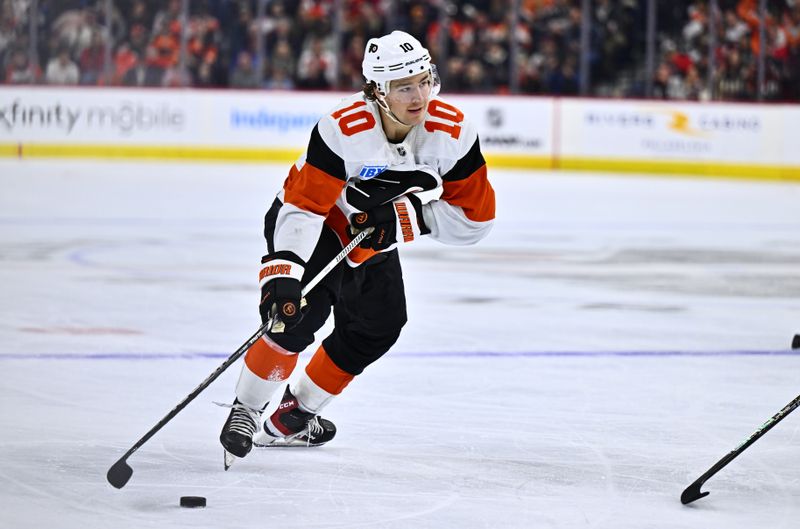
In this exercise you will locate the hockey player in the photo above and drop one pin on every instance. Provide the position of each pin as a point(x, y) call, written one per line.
point(366, 160)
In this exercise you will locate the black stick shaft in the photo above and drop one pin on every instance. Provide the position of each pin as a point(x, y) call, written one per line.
point(120, 472)
point(693, 492)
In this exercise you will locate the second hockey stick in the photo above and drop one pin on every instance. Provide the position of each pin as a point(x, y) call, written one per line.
point(120, 472)
point(693, 492)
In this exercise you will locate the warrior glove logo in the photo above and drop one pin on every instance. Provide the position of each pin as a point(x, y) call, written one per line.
point(405, 221)
point(289, 309)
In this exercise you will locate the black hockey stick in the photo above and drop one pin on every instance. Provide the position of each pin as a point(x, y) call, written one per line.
point(693, 492)
point(120, 472)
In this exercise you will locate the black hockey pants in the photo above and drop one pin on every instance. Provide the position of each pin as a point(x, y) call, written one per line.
point(368, 302)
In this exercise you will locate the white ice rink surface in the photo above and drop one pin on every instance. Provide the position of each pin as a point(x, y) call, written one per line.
point(603, 347)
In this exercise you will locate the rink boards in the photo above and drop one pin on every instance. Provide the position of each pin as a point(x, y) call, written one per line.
point(711, 139)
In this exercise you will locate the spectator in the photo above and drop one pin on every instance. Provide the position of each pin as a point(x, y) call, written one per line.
point(735, 28)
point(455, 71)
point(203, 51)
point(140, 16)
point(166, 17)
point(7, 30)
point(661, 81)
point(475, 79)
point(694, 87)
point(124, 59)
point(164, 49)
point(145, 72)
point(317, 66)
point(20, 70)
point(279, 79)
point(61, 70)
point(92, 60)
point(732, 80)
point(282, 65)
point(350, 77)
point(244, 74)
point(75, 28)
point(139, 39)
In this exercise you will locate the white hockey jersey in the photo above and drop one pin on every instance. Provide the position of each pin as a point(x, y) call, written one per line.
point(350, 166)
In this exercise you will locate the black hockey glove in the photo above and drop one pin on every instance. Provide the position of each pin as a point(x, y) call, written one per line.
point(395, 222)
point(280, 277)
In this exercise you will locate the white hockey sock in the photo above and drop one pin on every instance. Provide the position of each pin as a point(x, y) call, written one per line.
point(254, 391)
point(311, 397)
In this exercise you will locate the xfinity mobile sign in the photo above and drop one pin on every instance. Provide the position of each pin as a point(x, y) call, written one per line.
point(125, 118)
point(231, 119)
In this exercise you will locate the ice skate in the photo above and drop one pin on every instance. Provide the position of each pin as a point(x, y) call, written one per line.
point(237, 432)
point(290, 425)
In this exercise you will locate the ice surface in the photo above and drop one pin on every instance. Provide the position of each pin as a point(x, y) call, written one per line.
point(611, 340)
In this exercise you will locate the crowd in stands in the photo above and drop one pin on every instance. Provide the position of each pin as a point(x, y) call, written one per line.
point(684, 61)
point(307, 44)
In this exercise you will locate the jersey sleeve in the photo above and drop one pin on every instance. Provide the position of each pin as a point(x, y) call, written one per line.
point(309, 192)
point(464, 214)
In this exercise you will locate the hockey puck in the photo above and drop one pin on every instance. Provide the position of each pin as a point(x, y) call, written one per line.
point(796, 341)
point(193, 501)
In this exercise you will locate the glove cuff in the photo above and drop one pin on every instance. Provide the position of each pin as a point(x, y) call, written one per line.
point(417, 203)
point(410, 225)
point(280, 265)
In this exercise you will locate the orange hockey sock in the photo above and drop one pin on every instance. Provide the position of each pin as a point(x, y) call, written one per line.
point(270, 361)
point(327, 375)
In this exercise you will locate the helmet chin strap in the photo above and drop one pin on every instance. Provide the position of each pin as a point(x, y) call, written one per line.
point(381, 100)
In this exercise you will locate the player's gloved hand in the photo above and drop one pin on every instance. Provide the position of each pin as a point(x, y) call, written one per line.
point(279, 278)
point(392, 223)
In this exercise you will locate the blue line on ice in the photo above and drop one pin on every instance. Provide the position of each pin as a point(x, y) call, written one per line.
point(439, 354)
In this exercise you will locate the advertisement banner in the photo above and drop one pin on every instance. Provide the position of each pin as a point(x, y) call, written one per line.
point(516, 132)
point(158, 117)
point(510, 125)
point(790, 135)
point(258, 119)
point(645, 130)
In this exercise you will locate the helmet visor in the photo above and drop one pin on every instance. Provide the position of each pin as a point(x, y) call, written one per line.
point(410, 89)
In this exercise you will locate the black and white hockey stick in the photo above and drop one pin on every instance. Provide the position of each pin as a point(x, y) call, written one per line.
point(120, 472)
point(693, 492)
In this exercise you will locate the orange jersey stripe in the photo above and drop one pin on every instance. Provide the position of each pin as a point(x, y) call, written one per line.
point(327, 375)
point(269, 363)
point(473, 194)
point(312, 189)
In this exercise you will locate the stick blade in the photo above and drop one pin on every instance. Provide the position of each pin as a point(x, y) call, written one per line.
point(119, 474)
point(692, 493)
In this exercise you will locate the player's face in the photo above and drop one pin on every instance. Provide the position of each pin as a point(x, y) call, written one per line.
point(408, 98)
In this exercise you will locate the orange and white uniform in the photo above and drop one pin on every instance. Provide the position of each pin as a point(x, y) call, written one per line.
point(350, 167)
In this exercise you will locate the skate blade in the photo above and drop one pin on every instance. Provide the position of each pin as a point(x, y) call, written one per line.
point(266, 441)
point(229, 459)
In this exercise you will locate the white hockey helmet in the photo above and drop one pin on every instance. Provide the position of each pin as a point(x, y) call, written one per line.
point(396, 56)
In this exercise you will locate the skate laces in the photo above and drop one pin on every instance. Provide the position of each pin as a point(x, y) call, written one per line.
point(243, 418)
point(312, 429)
